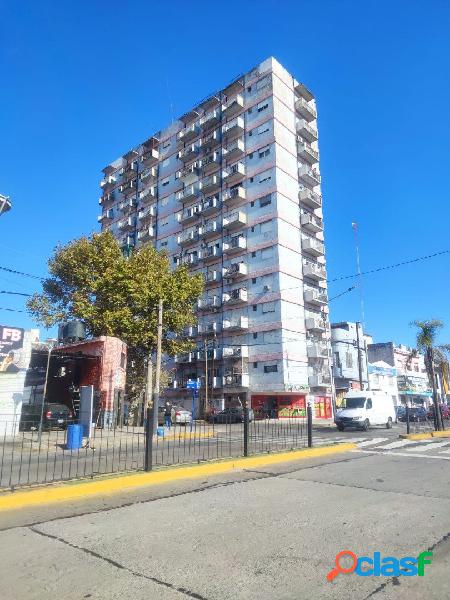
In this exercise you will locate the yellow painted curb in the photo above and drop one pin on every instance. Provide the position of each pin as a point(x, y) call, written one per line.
point(84, 489)
point(425, 436)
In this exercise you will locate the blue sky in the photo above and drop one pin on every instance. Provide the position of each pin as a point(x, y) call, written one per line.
point(84, 81)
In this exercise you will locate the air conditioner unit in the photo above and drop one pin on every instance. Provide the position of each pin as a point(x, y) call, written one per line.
point(266, 288)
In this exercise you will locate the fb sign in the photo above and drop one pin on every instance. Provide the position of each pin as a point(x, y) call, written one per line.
point(11, 339)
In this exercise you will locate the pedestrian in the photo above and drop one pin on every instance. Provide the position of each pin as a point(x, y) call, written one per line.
point(168, 415)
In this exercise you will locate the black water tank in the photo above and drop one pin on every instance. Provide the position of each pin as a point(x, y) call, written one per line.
point(72, 331)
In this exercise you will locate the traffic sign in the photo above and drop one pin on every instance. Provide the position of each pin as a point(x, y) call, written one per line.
point(193, 384)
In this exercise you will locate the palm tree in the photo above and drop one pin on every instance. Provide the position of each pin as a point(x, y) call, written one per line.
point(435, 355)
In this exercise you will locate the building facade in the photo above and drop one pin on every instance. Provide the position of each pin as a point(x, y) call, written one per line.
point(349, 357)
point(412, 377)
point(232, 189)
point(384, 377)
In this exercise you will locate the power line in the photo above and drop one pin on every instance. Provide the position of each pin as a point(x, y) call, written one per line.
point(8, 270)
point(15, 293)
point(350, 289)
point(13, 310)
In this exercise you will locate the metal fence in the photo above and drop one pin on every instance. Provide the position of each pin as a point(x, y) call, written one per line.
point(29, 456)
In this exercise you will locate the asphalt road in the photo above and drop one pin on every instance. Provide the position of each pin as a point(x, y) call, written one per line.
point(266, 534)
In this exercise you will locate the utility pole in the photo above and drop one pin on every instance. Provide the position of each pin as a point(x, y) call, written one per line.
point(148, 413)
point(158, 366)
point(206, 379)
point(359, 356)
point(437, 412)
point(44, 393)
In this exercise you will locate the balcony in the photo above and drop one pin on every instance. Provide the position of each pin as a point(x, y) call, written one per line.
point(189, 192)
point(188, 238)
point(312, 223)
point(186, 357)
point(149, 175)
point(190, 214)
point(238, 296)
point(106, 217)
point(211, 141)
point(146, 215)
point(146, 234)
point(305, 110)
point(303, 91)
point(313, 246)
point(212, 277)
point(210, 229)
point(209, 303)
point(234, 196)
point(107, 183)
point(314, 271)
point(210, 163)
point(236, 381)
point(235, 351)
point(211, 204)
point(190, 260)
point(310, 198)
point(234, 150)
point(234, 174)
point(233, 106)
point(127, 206)
point(239, 324)
point(319, 380)
point(234, 221)
point(210, 353)
point(150, 158)
point(315, 325)
point(188, 133)
point(189, 331)
point(127, 224)
point(107, 199)
point(236, 271)
point(233, 129)
point(188, 153)
point(235, 245)
point(307, 131)
point(211, 184)
point(310, 177)
point(189, 174)
point(208, 328)
point(210, 254)
point(148, 195)
point(129, 188)
point(315, 297)
point(317, 351)
point(129, 172)
point(210, 119)
point(307, 153)
point(127, 241)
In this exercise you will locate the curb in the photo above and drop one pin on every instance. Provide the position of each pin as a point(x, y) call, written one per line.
point(87, 488)
point(424, 436)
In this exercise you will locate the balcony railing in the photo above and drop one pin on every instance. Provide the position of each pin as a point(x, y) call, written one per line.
point(307, 131)
point(190, 173)
point(319, 380)
point(150, 157)
point(212, 277)
point(314, 271)
point(239, 324)
point(189, 152)
point(188, 133)
point(307, 153)
point(312, 223)
point(234, 150)
point(310, 177)
point(148, 194)
point(127, 206)
point(236, 195)
point(315, 297)
point(211, 204)
point(127, 224)
point(188, 237)
point(190, 260)
point(210, 229)
point(234, 173)
point(189, 192)
point(190, 214)
point(210, 119)
point(210, 253)
point(129, 188)
point(234, 128)
point(147, 215)
point(234, 381)
point(146, 234)
point(210, 163)
point(238, 296)
point(317, 351)
point(235, 220)
point(306, 110)
point(211, 183)
point(315, 325)
point(236, 270)
point(108, 182)
point(233, 106)
point(106, 217)
point(313, 246)
point(310, 198)
point(210, 141)
point(127, 241)
point(209, 328)
point(235, 351)
point(235, 244)
point(149, 175)
point(304, 92)
point(209, 303)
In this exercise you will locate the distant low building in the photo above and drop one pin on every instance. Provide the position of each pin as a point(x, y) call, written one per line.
point(349, 365)
point(383, 376)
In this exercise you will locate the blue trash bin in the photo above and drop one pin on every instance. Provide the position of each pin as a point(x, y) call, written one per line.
point(74, 439)
point(160, 431)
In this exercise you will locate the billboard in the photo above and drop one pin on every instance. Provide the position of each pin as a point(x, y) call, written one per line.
point(11, 344)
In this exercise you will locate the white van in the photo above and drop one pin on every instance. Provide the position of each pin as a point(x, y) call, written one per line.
point(363, 409)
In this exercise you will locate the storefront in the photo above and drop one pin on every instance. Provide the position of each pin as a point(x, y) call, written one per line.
point(285, 406)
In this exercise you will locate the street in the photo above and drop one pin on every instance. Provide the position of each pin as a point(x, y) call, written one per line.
point(270, 533)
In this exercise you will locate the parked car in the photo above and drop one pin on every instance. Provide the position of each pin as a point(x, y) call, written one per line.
point(416, 413)
point(400, 410)
point(180, 415)
point(231, 415)
point(445, 411)
point(54, 416)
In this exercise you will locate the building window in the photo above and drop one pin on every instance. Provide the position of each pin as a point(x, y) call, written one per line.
point(255, 336)
point(253, 280)
point(265, 200)
point(166, 144)
point(164, 222)
point(166, 182)
point(264, 152)
point(262, 106)
point(250, 133)
point(270, 368)
point(268, 307)
point(164, 243)
point(264, 128)
point(249, 89)
point(348, 360)
point(252, 229)
point(251, 179)
point(250, 110)
point(255, 365)
point(267, 253)
point(266, 226)
point(253, 254)
point(265, 176)
point(255, 307)
point(250, 155)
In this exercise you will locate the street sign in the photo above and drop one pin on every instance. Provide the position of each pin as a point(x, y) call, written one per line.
point(193, 384)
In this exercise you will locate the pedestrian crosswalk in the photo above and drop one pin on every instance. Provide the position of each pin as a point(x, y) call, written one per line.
point(428, 448)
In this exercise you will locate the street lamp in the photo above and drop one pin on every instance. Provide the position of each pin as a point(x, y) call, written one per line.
point(44, 394)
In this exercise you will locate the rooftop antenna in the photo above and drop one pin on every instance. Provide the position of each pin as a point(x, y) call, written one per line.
point(358, 272)
point(170, 100)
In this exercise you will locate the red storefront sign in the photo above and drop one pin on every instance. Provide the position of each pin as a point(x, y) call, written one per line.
point(281, 407)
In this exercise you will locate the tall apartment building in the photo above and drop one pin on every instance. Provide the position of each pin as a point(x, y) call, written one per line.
point(232, 189)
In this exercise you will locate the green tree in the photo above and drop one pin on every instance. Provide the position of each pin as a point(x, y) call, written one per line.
point(91, 280)
point(435, 355)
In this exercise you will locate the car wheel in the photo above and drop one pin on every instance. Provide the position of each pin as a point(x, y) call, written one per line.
point(389, 423)
point(340, 427)
point(366, 425)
